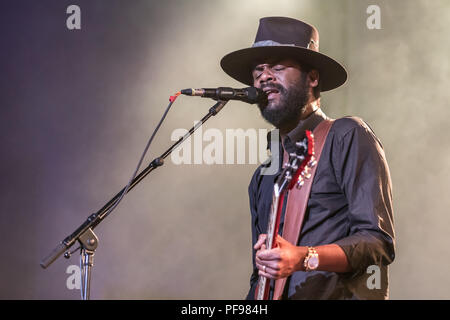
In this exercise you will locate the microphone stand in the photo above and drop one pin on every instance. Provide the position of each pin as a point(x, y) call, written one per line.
point(85, 235)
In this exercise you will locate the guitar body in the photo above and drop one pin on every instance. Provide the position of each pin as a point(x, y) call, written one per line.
point(293, 174)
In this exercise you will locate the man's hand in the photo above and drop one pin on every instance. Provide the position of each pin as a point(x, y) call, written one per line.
point(285, 258)
point(279, 262)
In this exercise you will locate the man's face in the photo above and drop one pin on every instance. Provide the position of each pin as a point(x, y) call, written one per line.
point(287, 90)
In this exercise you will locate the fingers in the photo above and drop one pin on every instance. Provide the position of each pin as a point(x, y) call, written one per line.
point(266, 272)
point(270, 271)
point(268, 255)
point(267, 262)
point(280, 241)
point(261, 241)
point(272, 265)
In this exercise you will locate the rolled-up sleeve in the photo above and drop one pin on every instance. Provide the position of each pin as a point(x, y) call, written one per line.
point(363, 174)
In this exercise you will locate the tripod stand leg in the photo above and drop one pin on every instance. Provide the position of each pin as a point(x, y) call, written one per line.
point(87, 257)
point(88, 241)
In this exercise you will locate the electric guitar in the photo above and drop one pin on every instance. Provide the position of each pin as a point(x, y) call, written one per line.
point(294, 173)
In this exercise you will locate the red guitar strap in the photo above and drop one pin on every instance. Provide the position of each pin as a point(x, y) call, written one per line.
point(298, 199)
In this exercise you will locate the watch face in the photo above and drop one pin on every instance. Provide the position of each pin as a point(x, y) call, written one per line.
point(313, 262)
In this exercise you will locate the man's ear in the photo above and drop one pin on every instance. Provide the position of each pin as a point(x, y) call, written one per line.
point(313, 77)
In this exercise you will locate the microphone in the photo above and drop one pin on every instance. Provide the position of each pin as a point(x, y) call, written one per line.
point(250, 95)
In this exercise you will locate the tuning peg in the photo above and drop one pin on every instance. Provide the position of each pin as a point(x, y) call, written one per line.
point(287, 175)
point(306, 173)
point(312, 162)
point(300, 182)
point(301, 144)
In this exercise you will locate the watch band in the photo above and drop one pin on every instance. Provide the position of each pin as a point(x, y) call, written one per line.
point(311, 261)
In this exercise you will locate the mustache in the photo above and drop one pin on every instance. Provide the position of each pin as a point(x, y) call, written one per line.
point(276, 86)
point(282, 90)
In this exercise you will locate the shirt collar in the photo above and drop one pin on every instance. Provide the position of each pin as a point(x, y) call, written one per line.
point(298, 133)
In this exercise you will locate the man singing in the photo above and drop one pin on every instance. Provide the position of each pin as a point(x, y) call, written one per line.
point(346, 239)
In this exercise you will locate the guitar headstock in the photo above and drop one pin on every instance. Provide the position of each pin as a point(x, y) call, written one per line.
point(299, 165)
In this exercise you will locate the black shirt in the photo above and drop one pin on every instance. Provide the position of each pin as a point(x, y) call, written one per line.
point(350, 205)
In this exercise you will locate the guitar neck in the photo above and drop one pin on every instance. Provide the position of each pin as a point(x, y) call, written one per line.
point(272, 231)
point(272, 221)
point(293, 173)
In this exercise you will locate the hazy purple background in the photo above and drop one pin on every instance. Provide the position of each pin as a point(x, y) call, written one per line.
point(77, 107)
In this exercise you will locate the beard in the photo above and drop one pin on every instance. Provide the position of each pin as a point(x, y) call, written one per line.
point(291, 104)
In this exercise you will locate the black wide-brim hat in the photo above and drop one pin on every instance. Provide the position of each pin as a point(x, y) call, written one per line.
point(281, 37)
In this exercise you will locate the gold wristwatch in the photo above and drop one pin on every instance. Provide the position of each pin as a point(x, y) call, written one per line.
point(311, 260)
